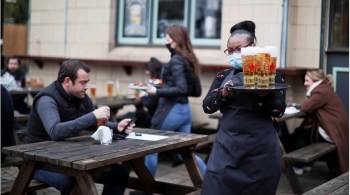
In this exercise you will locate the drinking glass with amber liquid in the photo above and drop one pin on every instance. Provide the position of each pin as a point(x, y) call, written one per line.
point(248, 66)
point(101, 122)
point(110, 87)
point(93, 92)
point(272, 65)
point(262, 60)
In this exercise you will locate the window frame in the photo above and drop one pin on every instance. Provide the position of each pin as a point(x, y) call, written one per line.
point(152, 22)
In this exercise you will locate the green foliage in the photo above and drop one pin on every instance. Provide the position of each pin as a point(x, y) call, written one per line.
point(16, 11)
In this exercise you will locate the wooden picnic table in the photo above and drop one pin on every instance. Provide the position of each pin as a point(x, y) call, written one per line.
point(116, 103)
point(80, 157)
point(25, 91)
point(338, 185)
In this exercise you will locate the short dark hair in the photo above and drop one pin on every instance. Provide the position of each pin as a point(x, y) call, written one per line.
point(14, 58)
point(69, 68)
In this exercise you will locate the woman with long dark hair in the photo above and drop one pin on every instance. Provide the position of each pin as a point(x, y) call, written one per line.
point(173, 111)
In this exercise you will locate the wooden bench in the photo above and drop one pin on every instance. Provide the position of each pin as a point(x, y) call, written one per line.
point(304, 155)
point(12, 162)
point(7, 185)
point(33, 186)
point(310, 153)
point(338, 185)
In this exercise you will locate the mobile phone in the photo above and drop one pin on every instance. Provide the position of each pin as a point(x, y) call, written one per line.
point(129, 123)
point(122, 134)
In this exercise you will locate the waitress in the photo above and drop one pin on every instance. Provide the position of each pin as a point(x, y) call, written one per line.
point(245, 158)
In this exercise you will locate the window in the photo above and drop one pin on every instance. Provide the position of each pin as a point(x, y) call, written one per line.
point(144, 22)
point(339, 24)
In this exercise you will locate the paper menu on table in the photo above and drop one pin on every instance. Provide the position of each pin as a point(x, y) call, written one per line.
point(145, 136)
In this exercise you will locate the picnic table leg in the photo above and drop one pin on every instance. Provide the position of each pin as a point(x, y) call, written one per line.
point(86, 183)
point(292, 178)
point(287, 168)
point(23, 178)
point(192, 167)
point(143, 174)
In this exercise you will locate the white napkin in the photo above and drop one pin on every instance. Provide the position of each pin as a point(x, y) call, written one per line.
point(291, 110)
point(104, 134)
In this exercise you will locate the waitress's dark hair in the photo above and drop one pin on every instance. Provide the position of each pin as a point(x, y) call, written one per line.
point(247, 28)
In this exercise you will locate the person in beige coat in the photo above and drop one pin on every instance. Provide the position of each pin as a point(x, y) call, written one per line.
point(326, 120)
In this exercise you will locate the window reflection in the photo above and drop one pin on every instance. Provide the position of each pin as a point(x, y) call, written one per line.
point(340, 24)
point(135, 18)
point(208, 19)
point(170, 12)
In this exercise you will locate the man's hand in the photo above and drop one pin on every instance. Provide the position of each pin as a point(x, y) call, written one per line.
point(125, 122)
point(102, 113)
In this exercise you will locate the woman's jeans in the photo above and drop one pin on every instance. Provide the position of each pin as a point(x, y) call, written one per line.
point(179, 119)
point(114, 181)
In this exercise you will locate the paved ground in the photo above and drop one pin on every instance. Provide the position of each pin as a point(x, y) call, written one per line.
point(167, 173)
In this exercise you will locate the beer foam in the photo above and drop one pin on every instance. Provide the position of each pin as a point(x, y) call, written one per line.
point(272, 50)
point(246, 51)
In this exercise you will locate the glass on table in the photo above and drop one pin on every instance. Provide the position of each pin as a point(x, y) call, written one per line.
point(28, 83)
point(92, 87)
point(119, 94)
point(110, 87)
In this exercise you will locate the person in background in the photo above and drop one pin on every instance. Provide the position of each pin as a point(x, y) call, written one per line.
point(154, 70)
point(326, 120)
point(14, 79)
point(173, 111)
point(7, 121)
point(12, 68)
point(63, 110)
point(148, 103)
point(245, 158)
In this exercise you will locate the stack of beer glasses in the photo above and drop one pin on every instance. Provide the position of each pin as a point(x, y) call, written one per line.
point(248, 66)
point(272, 66)
point(259, 66)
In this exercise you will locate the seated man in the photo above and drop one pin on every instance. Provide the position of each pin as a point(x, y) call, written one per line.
point(63, 110)
point(14, 79)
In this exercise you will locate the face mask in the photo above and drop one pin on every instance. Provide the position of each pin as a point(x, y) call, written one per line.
point(171, 50)
point(235, 60)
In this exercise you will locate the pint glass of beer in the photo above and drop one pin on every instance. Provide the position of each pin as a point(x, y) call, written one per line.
point(101, 122)
point(110, 87)
point(272, 66)
point(248, 66)
point(262, 62)
point(93, 92)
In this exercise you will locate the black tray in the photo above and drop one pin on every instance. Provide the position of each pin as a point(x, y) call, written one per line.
point(276, 87)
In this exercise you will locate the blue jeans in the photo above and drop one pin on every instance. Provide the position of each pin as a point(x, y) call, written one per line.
point(114, 181)
point(179, 119)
